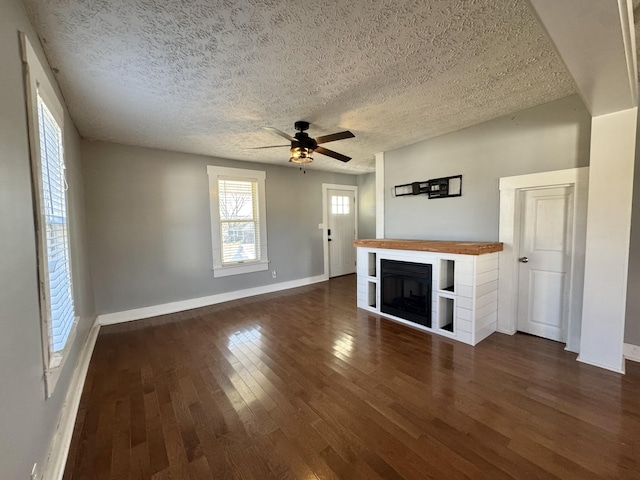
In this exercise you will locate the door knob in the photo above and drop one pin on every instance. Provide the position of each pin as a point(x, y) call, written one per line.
point(524, 259)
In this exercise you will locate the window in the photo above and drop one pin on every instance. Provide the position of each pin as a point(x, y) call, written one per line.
point(238, 220)
point(339, 205)
point(46, 124)
point(239, 227)
point(59, 295)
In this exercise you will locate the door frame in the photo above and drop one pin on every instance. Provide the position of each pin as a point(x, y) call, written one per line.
point(325, 218)
point(509, 235)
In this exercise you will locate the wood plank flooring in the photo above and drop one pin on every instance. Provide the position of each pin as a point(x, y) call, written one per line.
point(302, 385)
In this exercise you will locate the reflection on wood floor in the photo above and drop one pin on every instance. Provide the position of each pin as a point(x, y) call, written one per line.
point(301, 384)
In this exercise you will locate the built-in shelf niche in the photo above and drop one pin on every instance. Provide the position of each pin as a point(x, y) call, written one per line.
point(372, 264)
point(372, 294)
point(447, 275)
point(446, 313)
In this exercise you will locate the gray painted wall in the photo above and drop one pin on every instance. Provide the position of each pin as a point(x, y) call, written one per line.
point(632, 322)
point(27, 420)
point(367, 205)
point(150, 227)
point(553, 136)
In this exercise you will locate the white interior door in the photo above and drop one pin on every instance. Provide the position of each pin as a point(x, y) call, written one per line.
point(341, 231)
point(546, 236)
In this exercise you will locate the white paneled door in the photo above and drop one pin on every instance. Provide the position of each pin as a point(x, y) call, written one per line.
point(341, 231)
point(546, 235)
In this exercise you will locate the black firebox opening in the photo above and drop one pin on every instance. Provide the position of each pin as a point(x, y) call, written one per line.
point(406, 290)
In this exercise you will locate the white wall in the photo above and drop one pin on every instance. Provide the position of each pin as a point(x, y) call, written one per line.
point(367, 205)
point(613, 138)
point(27, 420)
point(553, 136)
point(632, 322)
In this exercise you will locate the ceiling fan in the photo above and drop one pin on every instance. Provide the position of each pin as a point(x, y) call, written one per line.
point(303, 146)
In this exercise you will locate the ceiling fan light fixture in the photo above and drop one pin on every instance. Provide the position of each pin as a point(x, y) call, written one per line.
point(303, 147)
point(301, 155)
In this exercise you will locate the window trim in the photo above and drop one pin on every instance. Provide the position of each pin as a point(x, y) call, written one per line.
point(37, 83)
point(225, 173)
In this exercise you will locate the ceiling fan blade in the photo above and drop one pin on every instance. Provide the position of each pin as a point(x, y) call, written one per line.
point(271, 146)
point(332, 154)
point(333, 137)
point(281, 133)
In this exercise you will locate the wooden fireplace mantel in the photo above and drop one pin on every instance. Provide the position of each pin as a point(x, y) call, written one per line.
point(437, 246)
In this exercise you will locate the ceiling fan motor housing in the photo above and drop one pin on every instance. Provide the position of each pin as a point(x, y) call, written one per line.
point(304, 141)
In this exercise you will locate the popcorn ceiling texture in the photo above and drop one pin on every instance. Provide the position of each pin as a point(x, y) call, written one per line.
point(202, 76)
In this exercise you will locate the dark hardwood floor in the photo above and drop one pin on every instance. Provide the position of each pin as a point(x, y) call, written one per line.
point(301, 384)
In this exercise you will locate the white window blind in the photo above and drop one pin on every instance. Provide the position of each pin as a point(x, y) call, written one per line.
point(239, 221)
point(54, 204)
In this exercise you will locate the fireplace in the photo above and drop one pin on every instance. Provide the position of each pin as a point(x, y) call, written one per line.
point(406, 290)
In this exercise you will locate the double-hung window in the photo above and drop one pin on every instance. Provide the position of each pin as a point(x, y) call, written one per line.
point(53, 205)
point(46, 123)
point(238, 220)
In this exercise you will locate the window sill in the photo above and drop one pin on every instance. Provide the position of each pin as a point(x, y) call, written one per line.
point(220, 271)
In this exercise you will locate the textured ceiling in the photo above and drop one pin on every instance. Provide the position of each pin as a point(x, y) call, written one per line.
point(202, 76)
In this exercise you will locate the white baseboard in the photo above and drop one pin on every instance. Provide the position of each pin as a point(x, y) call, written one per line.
point(180, 306)
point(567, 348)
point(59, 451)
point(506, 332)
point(600, 365)
point(631, 352)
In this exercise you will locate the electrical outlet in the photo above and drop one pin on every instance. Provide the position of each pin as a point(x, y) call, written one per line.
point(274, 274)
point(34, 472)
